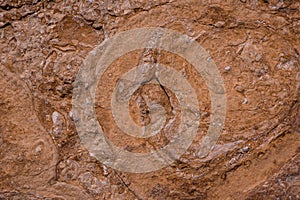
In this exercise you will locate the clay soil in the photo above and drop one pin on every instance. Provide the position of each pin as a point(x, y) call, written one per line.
point(256, 47)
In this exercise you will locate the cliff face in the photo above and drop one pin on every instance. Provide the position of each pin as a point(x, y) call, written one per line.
point(248, 61)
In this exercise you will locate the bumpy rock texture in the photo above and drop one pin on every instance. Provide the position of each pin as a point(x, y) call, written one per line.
point(254, 43)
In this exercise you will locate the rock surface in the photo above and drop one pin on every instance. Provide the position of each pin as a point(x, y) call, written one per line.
point(254, 43)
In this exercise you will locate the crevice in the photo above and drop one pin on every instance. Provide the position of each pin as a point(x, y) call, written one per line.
point(8, 7)
point(166, 93)
point(5, 25)
point(124, 184)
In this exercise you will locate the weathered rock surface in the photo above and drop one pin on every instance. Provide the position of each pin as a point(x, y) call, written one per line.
point(256, 47)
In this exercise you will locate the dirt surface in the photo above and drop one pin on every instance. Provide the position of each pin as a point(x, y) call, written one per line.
point(254, 43)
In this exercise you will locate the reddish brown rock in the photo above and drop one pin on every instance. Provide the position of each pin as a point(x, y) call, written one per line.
point(255, 45)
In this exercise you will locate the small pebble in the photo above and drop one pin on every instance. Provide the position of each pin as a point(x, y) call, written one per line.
point(75, 42)
point(38, 149)
point(245, 149)
point(26, 186)
point(71, 114)
point(258, 57)
point(219, 24)
point(55, 116)
point(40, 15)
point(245, 101)
point(239, 88)
point(227, 68)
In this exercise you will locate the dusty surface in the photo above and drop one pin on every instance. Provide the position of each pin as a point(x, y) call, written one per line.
point(256, 46)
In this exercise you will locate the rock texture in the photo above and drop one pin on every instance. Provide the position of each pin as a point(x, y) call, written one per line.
point(254, 43)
